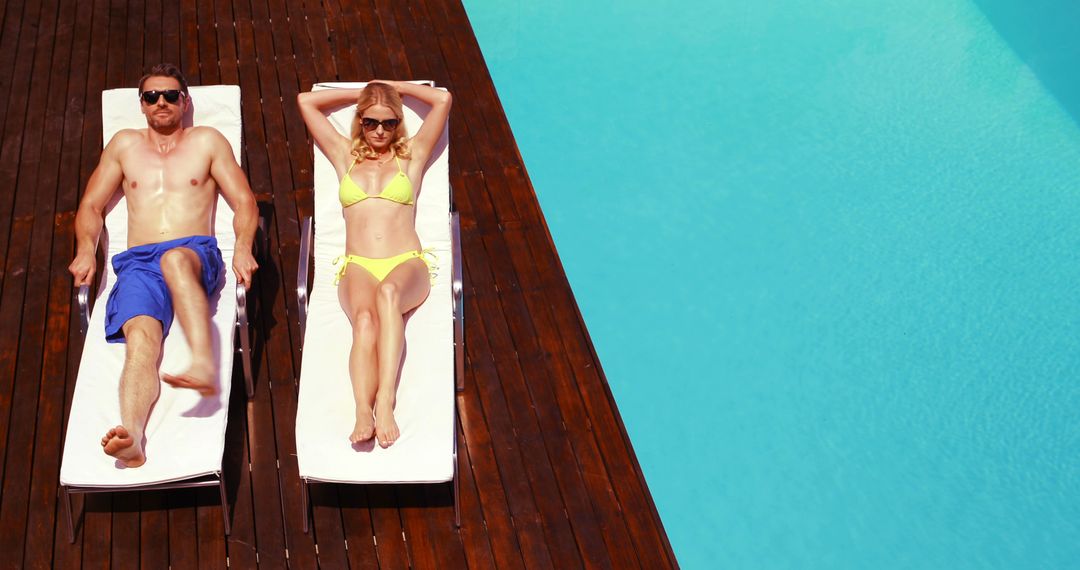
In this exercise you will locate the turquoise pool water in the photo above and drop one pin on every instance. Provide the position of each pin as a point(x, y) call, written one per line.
point(827, 252)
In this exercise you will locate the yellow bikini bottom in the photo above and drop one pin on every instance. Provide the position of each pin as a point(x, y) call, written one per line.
point(380, 267)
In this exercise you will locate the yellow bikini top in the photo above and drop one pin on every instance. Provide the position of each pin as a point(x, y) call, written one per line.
point(399, 189)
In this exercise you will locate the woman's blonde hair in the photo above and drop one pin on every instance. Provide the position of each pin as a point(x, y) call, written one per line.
point(379, 94)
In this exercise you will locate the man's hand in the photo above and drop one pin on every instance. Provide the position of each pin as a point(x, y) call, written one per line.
point(244, 266)
point(82, 269)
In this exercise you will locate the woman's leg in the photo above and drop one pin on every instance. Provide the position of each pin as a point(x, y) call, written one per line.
point(356, 292)
point(400, 292)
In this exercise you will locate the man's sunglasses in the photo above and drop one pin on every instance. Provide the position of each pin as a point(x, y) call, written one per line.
point(171, 96)
point(371, 124)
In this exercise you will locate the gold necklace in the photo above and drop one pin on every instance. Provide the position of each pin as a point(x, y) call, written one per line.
point(389, 156)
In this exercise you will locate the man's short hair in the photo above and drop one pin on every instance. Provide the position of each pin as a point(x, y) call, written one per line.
point(165, 70)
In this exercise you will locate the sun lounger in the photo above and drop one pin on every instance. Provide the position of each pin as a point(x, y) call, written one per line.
point(185, 434)
point(426, 451)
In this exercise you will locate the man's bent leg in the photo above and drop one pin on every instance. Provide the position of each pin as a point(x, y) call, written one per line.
point(139, 390)
point(182, 268)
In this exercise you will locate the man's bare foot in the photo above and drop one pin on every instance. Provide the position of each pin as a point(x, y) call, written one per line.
point(199, 377)
point(386, 429)
point(365, 426)
point(119, 444)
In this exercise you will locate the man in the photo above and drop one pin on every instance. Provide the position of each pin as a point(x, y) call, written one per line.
point(170, 176)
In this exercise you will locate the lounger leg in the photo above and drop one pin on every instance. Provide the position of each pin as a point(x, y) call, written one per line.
point(66, 500)
point(224, 503)
point(304, 502)
point(457, 497)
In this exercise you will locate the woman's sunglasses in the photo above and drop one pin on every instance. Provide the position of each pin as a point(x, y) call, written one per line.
point(171, 96)
point(371, 124)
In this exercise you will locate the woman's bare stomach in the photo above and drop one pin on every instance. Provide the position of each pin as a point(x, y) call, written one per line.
point(380, 235)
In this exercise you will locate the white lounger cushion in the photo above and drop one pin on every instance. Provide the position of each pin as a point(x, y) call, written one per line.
point(185, 434)
point(425, 398)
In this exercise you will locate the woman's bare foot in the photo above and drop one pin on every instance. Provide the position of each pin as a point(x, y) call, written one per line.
point(121, 445)
point(386, 429)
point(200, 377)
point(365, 425)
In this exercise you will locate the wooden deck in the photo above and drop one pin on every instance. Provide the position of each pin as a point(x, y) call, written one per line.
point(548, 475)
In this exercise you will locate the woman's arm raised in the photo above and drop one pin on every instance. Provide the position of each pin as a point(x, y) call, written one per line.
point(424, 141)
point(312, 105)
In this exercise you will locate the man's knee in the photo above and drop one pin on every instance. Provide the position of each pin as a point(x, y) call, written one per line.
point(142, 333)
point(179, 262)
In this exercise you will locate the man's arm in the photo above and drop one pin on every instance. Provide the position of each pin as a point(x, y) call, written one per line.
point(88, 221)
point(236, 191)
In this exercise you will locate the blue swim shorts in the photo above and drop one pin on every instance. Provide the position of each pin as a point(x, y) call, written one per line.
point(140, 287)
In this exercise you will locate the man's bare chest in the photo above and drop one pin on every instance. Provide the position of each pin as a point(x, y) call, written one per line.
point(177, 170)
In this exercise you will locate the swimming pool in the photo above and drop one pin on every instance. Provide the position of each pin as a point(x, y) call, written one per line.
point(826, 251)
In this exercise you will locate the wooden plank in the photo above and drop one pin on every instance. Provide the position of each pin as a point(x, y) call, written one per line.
point(282, 391)
point(226, 43)
point(356, 519)
point(80, 149)
point(170, 36)
point(414, 525)
point(480, 107)
point(328, 527)
point(390, 39)
point(265, 485)
point(152, 33)
point(642, 522)
point(266, 499)
point(546, 493)
point(125, 529)
point(211, 528)
point(67, 555)
point(450, 17)
point(301, 49)
point(257, 162)
point(183, 538)
point(23, 303)
point(9, 43)
point(508, 459)
point(450, 548)
point(67, 193)
point(427, 513)
point(42, 507)
point(315, 23)
point(365, 41)
point(189, 43)
point(207, 43)
point(484, 471)
point(96, 530)
point(114, 66)
point(154, 529)
point(236, 464)
point(9, 167)
point(386, 523)
point(525, 345)
point(95, 83)
point(474, 532)
point(282, 346)
point(348, 67)
point(510, 467)
point(421, 44)
point(133, 52)
point(293, 69)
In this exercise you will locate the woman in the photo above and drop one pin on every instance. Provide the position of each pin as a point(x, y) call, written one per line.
point(383, 273)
